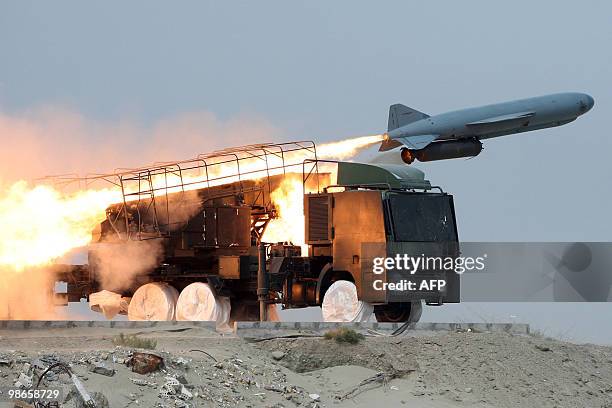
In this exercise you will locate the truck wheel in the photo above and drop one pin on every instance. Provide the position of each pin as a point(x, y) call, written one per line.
point(153, 301)
point(198, 302)
point(399, 312)
point(340, 304)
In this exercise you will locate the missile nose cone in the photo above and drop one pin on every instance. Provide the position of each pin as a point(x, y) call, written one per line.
point(590, 102)
point(586, 103)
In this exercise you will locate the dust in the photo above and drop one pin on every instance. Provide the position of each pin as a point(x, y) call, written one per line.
point(26, 295)
point(118, 265)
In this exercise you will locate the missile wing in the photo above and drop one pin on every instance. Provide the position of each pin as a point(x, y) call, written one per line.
point(499, 123)
point(503, 118)
point(417, 142)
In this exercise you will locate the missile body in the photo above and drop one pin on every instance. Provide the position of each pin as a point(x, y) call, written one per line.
point(458, 134)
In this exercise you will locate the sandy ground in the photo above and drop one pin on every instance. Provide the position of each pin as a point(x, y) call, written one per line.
point(429, 369)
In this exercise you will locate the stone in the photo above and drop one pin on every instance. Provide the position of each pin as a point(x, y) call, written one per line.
point(98, 398)
point(6, 362)
point(315, 397)
point(278, 355)
point(24, 381)
point(185, 393)
point(139, 382)
point(102, 369)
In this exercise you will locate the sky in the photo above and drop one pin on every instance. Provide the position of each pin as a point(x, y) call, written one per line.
point(329, 70)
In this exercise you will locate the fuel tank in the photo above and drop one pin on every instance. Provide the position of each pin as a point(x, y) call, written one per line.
point(451, 149)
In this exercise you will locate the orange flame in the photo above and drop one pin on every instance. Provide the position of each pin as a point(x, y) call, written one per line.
point(288, 198)
point(289, 226)
point(347, 148)
point(40, 224)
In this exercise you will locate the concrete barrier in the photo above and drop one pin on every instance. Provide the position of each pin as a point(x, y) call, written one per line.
point(260, 329)
point(121, 324)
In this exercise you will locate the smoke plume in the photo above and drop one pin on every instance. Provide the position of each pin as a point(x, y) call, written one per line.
point(49, 141)
point(118, 265)
point(58, 141)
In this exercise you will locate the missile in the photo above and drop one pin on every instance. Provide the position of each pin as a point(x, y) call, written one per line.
point(459, 133)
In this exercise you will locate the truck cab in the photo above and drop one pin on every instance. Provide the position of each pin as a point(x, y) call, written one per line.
point(382, 212)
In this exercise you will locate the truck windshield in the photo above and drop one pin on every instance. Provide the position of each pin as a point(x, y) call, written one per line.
point(422, 217)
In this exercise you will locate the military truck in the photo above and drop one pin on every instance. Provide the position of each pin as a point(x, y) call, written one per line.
point(208, 216)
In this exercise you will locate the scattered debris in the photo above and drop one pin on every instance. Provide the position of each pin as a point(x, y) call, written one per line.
point(102, 369)
point(145, 363)
point(24, 381)
point(204, 352)
point(4, 361)
point(142, 383)
point(97, 400)
point(182, 379)
point(183, 362)
point(372, 382)
point(455, 369)
point(315, 397)
point(542, 347)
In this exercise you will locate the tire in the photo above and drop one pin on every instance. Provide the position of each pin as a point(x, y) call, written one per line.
point(198, 302)
point(153, 302)
point(399, 312)
point(340, 304)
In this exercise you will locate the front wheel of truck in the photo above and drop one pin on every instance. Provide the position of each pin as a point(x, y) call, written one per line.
point(399, 312)
point(341, 304)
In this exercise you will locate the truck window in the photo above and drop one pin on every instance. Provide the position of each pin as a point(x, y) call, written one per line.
point(422, 217)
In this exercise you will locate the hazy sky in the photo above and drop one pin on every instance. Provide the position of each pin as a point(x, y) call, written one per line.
point(330, 70)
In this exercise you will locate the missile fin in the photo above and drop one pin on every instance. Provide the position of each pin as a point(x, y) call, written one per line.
point(389, 144)
point(400, 115)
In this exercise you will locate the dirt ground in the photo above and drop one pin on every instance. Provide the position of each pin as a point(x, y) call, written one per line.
point(429, 369)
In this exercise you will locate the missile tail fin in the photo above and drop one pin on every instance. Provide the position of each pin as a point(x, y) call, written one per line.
point(400, 115)
point(389, 144)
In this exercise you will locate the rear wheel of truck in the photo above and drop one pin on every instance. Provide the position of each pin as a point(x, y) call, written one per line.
point(153, 301)
point(340, 304)
point(399, 312)
point(198, 302)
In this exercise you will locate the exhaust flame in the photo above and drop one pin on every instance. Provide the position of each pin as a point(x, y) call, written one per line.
point(348, 148)
point(289, 200)
point(39, 224)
